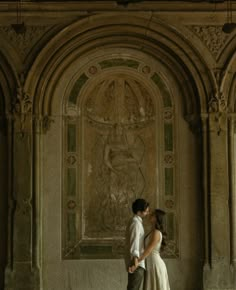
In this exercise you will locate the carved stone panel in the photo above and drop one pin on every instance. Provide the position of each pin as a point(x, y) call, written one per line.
point(115, 138)
point(212, 36)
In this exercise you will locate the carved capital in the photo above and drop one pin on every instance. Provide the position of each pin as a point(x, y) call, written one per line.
point(42, 124)
point(217, 103)
point(217, 107)
point(21, 111)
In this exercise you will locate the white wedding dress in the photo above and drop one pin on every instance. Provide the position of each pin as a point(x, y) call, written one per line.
point(156, 277)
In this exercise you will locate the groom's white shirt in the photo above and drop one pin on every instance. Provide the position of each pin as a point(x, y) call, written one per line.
point(135, 240)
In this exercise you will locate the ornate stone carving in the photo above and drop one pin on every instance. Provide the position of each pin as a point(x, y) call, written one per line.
point(171, 250)
point(169, 204)
point(168, 115)
point(120, 98)
point(212, 36)
point(21, 107)
point(42, 123)
point(169, 158)
point(71, 160)
point(24, 42)
point(46, 123)
point(71, 204)
point(217, 103)
point(218, 107)
point(146, 69)
point(93, 70)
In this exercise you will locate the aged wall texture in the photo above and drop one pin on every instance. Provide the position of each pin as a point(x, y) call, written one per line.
point(101, 103)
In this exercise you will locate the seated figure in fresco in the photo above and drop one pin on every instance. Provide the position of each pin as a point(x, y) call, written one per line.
point(122, 175)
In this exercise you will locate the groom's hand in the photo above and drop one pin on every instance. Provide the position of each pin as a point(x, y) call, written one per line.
point(132, 269)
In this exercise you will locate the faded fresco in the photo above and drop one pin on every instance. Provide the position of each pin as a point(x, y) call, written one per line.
point(119, 129)
point(116, 146)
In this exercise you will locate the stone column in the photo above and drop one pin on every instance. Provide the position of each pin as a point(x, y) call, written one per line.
point(22, 272)
point(219, 274)
point(205, 181)
point(232, 188)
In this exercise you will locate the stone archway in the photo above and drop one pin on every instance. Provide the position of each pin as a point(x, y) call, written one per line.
point(60, 84)
point(85, 132)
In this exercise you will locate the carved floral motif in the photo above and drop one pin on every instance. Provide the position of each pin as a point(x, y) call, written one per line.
point(169, 203)
point(212, 36)
point(169, 158)
point(168, 114)
point(146, 69)
point(21, 107)
point(24, 42)
point(71, 160)
point(46, 123)
point(71, 204)
point(93, 70)
point(42, 123)
point(218, 106)
point(217, 103)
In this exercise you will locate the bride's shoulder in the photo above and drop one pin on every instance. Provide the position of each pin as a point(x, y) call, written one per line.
point(156, 234)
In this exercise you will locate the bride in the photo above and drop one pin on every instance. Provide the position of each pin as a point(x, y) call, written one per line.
point(156, 277)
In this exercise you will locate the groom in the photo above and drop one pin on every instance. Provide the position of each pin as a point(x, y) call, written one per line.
point(135, 243)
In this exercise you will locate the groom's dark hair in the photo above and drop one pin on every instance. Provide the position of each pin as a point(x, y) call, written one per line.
point(139, 204)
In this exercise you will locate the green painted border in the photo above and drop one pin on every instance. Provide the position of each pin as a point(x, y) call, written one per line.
point(164, 90)
point(168, 136)
point(119, 62)
point(71, 181)
point(169, 181)
point(77, 88)
point(71, 138)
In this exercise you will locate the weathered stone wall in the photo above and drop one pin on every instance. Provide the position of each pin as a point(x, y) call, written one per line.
point(106, 103)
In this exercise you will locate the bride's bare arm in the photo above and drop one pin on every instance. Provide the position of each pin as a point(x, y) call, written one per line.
point(154, 239)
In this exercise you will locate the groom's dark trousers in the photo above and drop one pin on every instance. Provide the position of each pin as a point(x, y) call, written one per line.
point(135, 279)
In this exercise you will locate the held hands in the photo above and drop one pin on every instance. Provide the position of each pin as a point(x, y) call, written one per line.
point(134, 266)
point(132, 269)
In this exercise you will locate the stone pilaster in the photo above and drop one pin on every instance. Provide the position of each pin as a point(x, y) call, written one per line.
point(22, 272)
point(205, 181)
point(218, 272)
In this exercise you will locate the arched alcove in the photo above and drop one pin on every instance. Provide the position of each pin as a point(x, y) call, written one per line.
point(84, 65)
point(116, 92)
point(144, 32)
